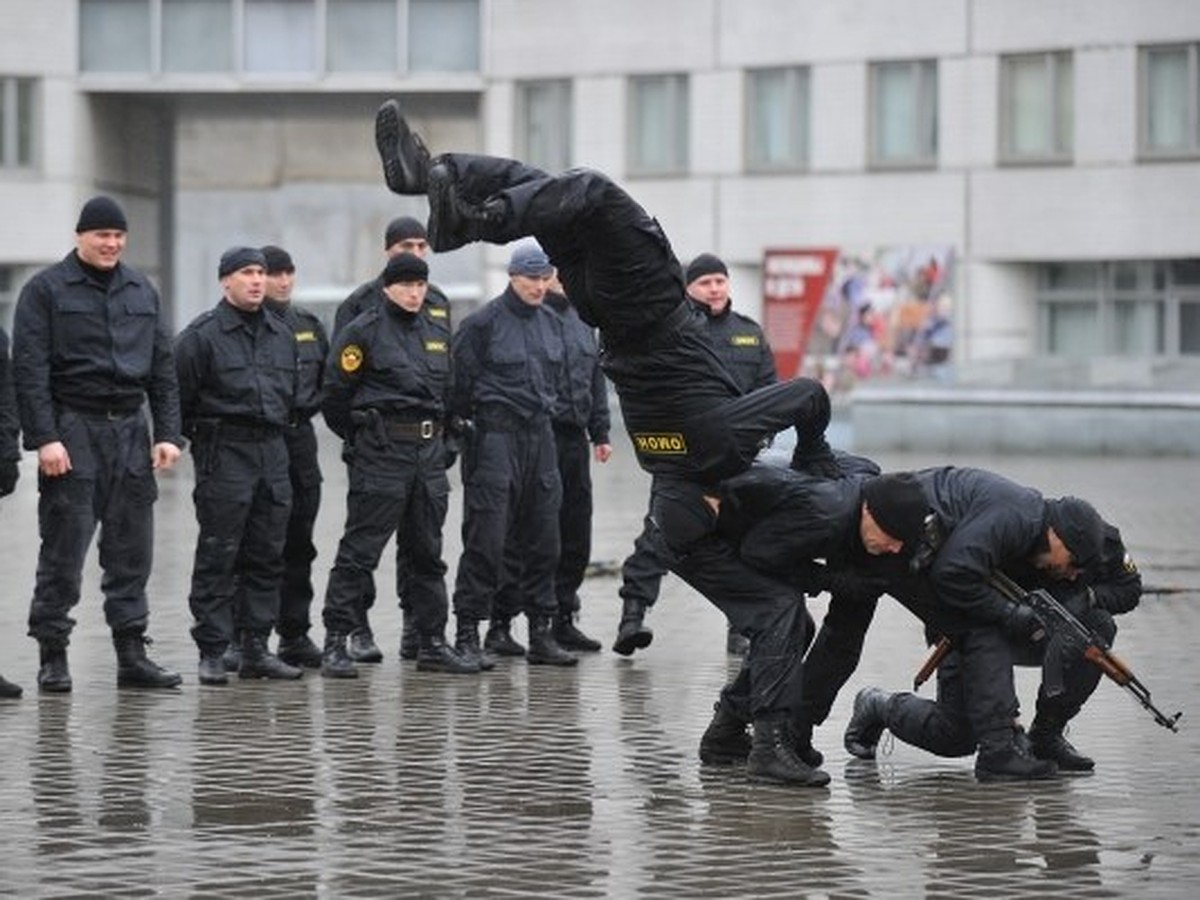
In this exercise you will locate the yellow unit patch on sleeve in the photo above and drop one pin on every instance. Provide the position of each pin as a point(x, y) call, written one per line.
point(305, 336)
point(744, 340)
point(436, 312)
point(435, 346)
point(667, 444)
point(352, 358)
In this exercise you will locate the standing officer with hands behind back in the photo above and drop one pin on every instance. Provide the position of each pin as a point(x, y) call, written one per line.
point(90, 346)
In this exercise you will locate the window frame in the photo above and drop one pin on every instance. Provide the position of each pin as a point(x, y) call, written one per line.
point(678, 87)
point(1061, 126)
point(797, 112)
point(925, 72)
point(20, 110)
point(559, 94)
point(1144, 148)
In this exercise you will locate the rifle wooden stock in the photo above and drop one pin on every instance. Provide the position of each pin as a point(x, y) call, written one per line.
point(934, 659)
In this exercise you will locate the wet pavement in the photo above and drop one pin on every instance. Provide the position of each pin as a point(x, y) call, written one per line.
point(584, 782)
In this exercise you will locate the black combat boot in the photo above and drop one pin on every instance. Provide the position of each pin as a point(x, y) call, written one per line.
point(725, 741)
point(632, 634)
point(335, 661)
point(543, 648)
point(135, 669)
point(363, 648)
point(410, 638)
point(8, 690)
point(813, 456)
point(773, 756)
point(736, 643)
point(1007, 756)
point(867, 722)
point(466, 642)
point(499, 640)
point(435, 655)
point(54, 676)
point(1047, 742)
point(453, 221)
point(232, 654)
point(808, 754)
point(403, 154)
point(568, 635)
point(259, 662)
point(212, 667)
point(299, 650)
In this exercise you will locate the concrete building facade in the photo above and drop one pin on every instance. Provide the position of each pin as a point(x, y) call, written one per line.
point(1052, 146)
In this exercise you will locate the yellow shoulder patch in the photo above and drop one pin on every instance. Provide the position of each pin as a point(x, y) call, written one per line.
point(434, 346)
point(744, 340)
point(436, 312)
point(352, 358)
point(305, 336)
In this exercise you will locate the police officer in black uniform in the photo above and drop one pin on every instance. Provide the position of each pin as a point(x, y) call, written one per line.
point(90, 346)
point(237, 383)
point(581, 415)
point(690, 424)
point(404, 234)
point(743, 348)
point(388, 377)
point(508, 371)
point(10, 454)
point(304, 470)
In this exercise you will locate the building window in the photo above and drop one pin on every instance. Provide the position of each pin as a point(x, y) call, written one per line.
point(1170, 123)
point(443, 35)
point(280, 37)
point(903, 114)
point(196, 36)
point(777, 115)
point(361, 36)
point(1037, 109)
point(658, 125)
point(1131, 308)
point(543, 122)
point(16, 123)
point(114, 35)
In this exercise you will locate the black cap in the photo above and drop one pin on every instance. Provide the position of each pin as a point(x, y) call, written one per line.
point(403, 228)
point(278, 259)
point(1080, 528)
point(897, 504)
point(101, 214)
point(236, 258)
point(405, 267)
point(705, 264)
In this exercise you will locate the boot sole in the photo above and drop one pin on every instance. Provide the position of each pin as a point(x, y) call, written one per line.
point(763, 778)
point(150, 685)
point(55, 688)
point(990, 777)
point(445, 670)
point(390, 133)
point(325, 673)
point(545, 661)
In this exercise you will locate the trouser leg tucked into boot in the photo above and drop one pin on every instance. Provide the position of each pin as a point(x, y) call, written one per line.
point(53, 674)
point(410, 637)
point(632, 634)
point(773, 756)
point(299, 650)
point(259, 662)
point(134, 668)
point(543, 648)
point(335, 661)
point(725, 741)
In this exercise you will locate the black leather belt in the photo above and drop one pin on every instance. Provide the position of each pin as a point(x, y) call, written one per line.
point(108, 415)
point(247, 431)
point(425, 430)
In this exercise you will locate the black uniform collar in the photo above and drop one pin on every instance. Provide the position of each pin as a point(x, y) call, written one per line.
point(707, 310)
point(510, 299)
point(399, 313)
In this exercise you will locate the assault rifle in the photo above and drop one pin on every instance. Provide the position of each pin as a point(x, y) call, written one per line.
point(1064, 626)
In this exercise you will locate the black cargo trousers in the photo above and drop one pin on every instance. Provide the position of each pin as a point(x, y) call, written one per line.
point(689, 423)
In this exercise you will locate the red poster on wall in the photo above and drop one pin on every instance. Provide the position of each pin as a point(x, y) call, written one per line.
point(794, 283)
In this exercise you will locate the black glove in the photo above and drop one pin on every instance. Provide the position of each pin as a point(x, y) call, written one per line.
point(9, 473)
point(852, 585)
point(1022, 623)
